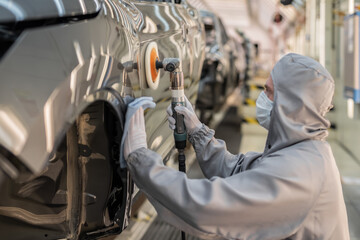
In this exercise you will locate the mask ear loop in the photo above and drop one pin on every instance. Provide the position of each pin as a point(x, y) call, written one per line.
point(274, 83)
point(274, 100)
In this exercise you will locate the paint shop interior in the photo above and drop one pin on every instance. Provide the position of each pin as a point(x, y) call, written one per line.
point(69, 68)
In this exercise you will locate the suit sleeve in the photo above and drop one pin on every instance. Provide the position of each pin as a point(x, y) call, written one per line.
point(212, 154)
point(262, 203)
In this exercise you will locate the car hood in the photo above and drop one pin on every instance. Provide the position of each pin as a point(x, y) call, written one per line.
point(32, 10)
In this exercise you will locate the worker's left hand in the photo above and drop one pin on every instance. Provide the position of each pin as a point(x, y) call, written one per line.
point(136, 136)
point(192, 123)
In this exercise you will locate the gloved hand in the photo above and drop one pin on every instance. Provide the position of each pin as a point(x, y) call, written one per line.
point(192, 123)
point(136, 136)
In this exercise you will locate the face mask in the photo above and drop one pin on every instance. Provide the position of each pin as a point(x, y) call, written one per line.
point(263, 109)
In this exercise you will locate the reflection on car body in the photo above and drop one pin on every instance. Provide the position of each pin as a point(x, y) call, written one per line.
point(65, 67)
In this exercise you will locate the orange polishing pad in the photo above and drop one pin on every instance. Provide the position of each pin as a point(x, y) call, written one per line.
point(153, 58)
point(152, 74)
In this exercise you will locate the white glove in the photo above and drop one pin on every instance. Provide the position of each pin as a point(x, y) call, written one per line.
point(192, 123)
point(136, 136)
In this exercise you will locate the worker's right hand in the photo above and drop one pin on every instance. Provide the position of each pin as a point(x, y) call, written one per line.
point(192, 123)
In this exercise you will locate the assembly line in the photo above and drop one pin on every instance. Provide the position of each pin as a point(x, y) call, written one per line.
point(179, 119)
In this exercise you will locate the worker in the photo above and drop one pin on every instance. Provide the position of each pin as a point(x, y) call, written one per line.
point(291, 190)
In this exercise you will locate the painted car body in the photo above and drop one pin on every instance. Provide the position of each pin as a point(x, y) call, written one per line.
point(65, 71)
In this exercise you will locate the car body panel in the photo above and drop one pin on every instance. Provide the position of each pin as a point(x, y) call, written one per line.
point(73, 62)
point(48, 80)
point(52, 73)
point(43, 100)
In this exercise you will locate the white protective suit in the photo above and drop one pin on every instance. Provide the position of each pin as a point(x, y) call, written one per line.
point(290, 191)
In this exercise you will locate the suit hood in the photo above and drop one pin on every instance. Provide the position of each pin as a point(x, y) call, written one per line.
point(303, 92)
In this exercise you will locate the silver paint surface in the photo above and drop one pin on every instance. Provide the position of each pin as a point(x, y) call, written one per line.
point(52, 73)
